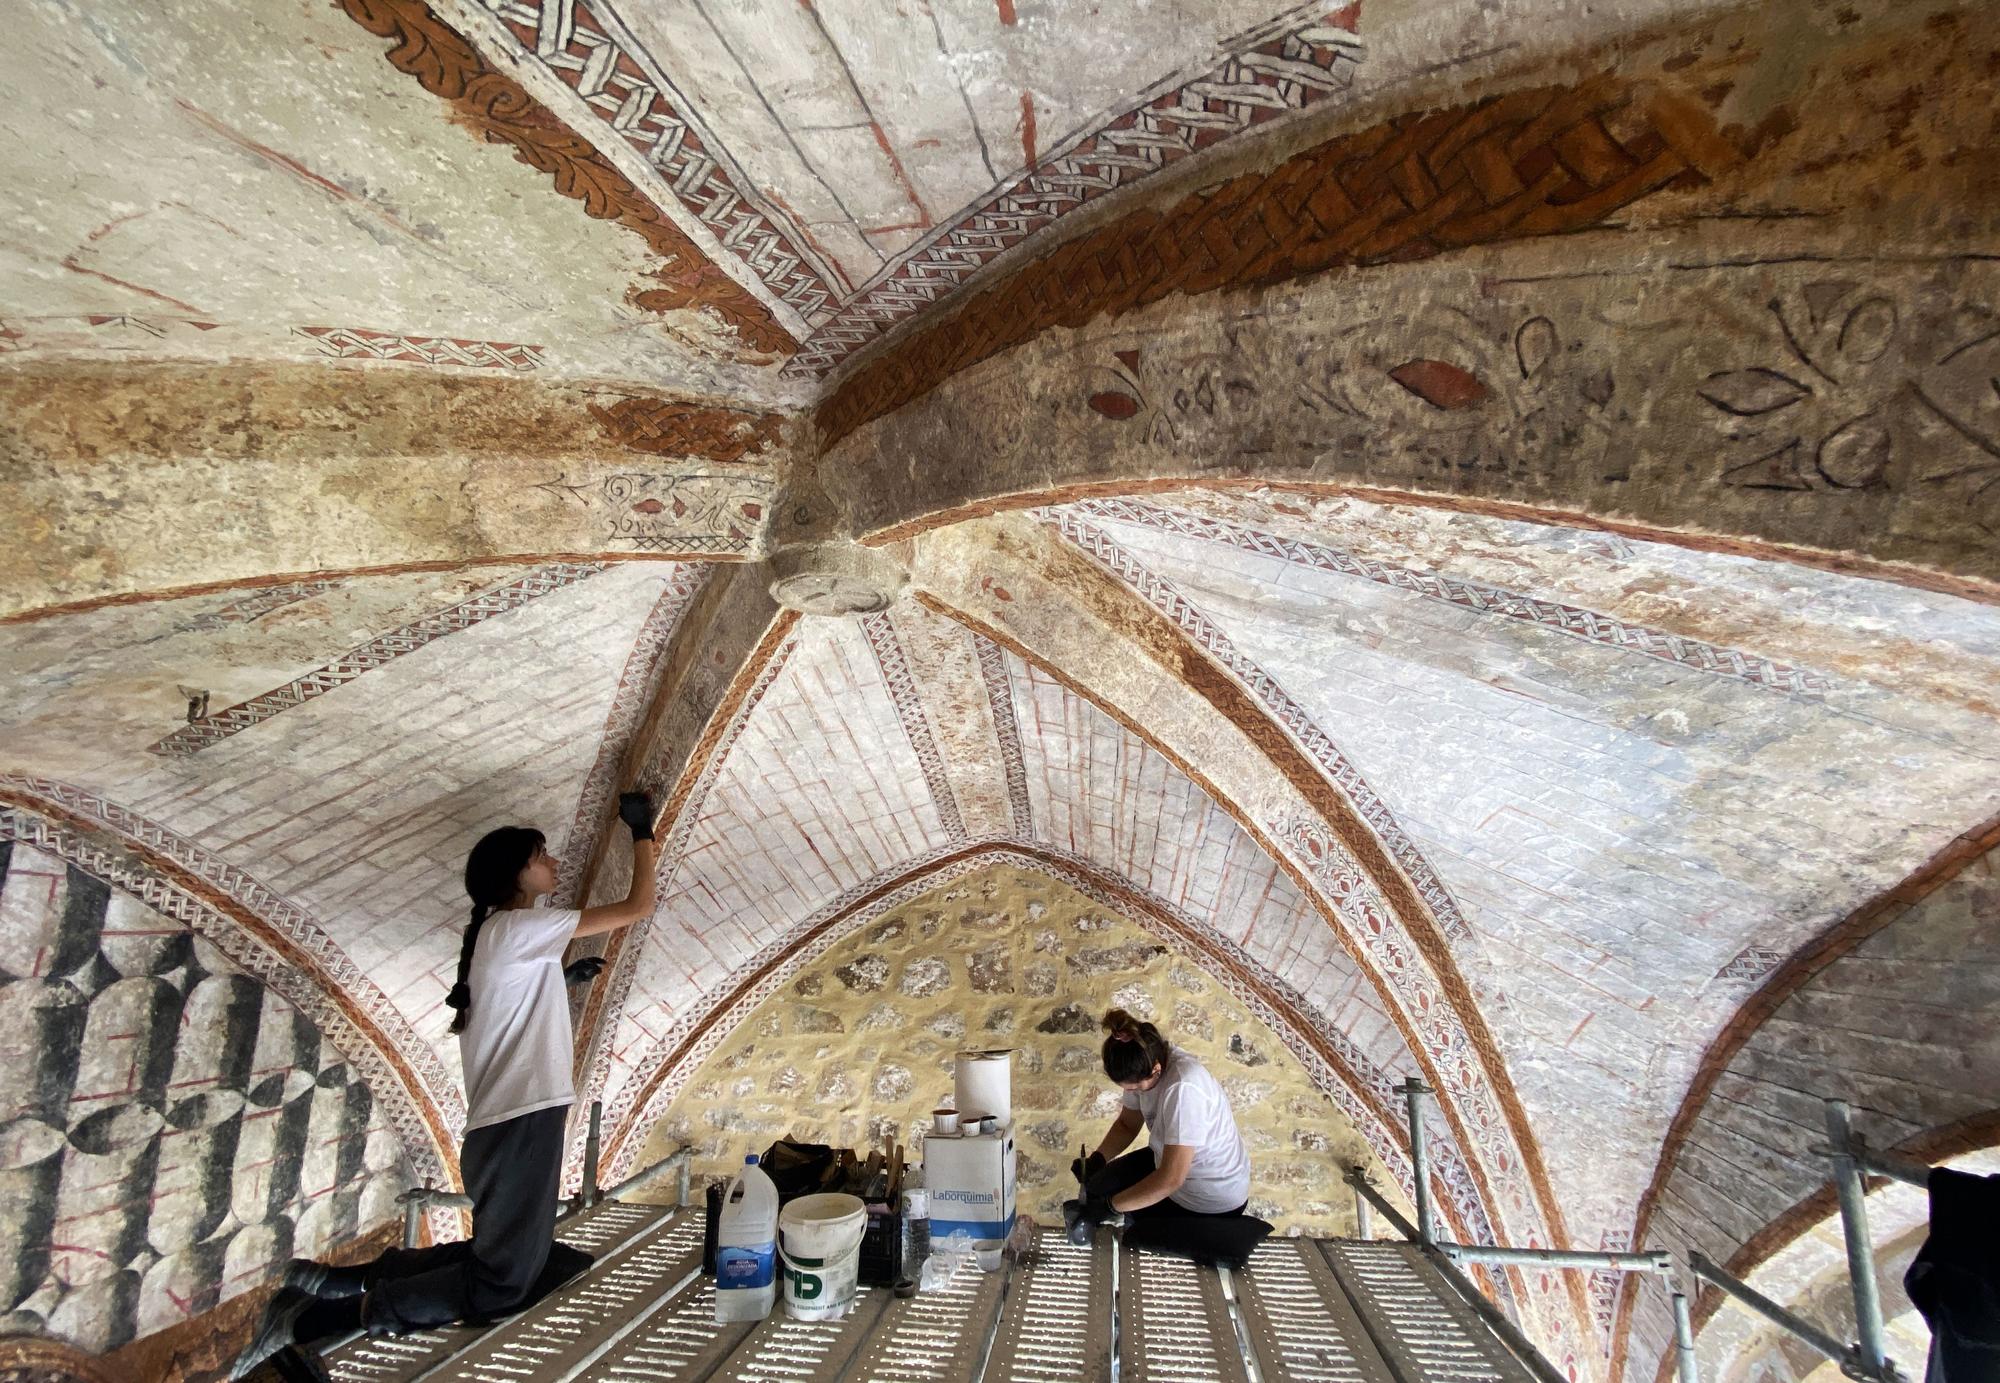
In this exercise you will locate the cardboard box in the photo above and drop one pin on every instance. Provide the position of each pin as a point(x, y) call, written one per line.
point(971, 1186)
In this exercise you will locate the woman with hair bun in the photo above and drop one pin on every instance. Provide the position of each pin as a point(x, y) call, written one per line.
point(511, 1015)
point(1194, 1168)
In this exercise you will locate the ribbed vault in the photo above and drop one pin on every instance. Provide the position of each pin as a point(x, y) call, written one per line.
point(1472, 521)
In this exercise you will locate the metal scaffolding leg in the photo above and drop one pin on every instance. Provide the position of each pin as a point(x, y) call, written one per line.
point(1414, 1091)
point(591, 1144)
point(1364, 1217)
point(1684, 1337)
point(1853, 1194)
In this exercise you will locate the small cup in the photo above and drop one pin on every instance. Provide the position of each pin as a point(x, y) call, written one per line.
point(944, 1121)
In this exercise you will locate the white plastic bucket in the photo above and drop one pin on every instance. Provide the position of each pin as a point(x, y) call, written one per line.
point(819, 1244)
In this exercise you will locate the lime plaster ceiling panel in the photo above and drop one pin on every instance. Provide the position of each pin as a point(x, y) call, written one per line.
point(1646, 774)
point(218, 182)
point(346, 764)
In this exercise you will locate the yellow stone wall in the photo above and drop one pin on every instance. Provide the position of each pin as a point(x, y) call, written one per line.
point(859, 1046)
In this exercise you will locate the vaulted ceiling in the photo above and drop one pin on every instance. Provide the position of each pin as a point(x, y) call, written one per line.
point(1477, 519)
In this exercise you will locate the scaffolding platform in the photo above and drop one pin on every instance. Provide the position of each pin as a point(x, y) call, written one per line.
point(1314, 1311)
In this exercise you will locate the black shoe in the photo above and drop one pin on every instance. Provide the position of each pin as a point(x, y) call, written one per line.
point(274, 1330)
point(322, 1280)
point(298, 1365)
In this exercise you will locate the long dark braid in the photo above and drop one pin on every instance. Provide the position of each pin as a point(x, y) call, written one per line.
point(492, 878)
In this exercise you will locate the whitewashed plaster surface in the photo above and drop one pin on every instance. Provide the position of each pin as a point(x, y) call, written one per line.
point(819, 791)
point(872, 124)
point(1617, 828)
point(822, 792)
point(358, 805)
point(266, 169)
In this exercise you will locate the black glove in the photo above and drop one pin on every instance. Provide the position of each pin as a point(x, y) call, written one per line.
point(1084, 1168)
point(583, 971)
point(635, 809)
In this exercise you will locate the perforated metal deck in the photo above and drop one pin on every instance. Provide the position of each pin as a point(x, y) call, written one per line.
point(604, 1230)
point(1304, 1311)
point(1423, 1328)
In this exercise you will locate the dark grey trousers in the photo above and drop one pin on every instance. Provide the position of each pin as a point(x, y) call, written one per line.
point(512, 1172)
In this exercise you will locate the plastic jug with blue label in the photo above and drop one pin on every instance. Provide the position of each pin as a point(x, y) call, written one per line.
point(746, 1247)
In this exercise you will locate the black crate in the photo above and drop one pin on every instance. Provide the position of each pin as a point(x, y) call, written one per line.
point(882, 1246)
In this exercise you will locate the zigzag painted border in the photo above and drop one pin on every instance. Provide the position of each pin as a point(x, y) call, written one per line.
point(1370, 924)
point(880, 631)
point(591, 51)
point(1573, 620)
point(597, 57)
point(621, 725)
point(1007, 730)
point(671, 854)
point(1307, 64)
point(1166, 598)
point(203, 732)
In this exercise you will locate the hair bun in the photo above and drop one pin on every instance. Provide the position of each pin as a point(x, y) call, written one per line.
point(1119, 1021)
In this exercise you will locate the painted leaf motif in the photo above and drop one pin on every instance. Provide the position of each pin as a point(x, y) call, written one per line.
point(1753, 392)
point(1855, 453)
point(1534, 344)
point(1114, 405)
point(1865, 335)
point(1440, 384)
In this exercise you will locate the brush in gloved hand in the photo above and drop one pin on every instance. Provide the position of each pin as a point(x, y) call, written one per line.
point(583, 971)
point(1086, 1165)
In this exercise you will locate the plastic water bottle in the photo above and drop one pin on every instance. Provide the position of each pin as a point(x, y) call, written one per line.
point(746, 1247)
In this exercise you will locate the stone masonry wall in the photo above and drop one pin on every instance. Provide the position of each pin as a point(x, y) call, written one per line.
point(859, 1047)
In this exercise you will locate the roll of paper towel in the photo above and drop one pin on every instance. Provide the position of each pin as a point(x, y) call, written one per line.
point(985, 1084)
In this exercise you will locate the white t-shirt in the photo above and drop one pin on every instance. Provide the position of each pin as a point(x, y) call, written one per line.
point(1188, 1107)
point(516, 1047)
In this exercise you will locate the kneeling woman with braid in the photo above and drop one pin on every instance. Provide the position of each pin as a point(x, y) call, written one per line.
point(514, 1039)
point(1186, 1191)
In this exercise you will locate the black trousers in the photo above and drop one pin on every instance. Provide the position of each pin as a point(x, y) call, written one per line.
point(512, 1171)
point(1123, 1173)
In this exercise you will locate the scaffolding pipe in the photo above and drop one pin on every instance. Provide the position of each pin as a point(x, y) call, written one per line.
point(1364, 1216)
point(1853, 1194)
point(1510, 1334)
point(1414, 1091)
point(639, 1180)
point(1874, 1162)
point(1684, 1337)
point(591, 1145)
point(1657, 1261)
point(1365, 1190)
point(420, 1198)
point(1774, 1313)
